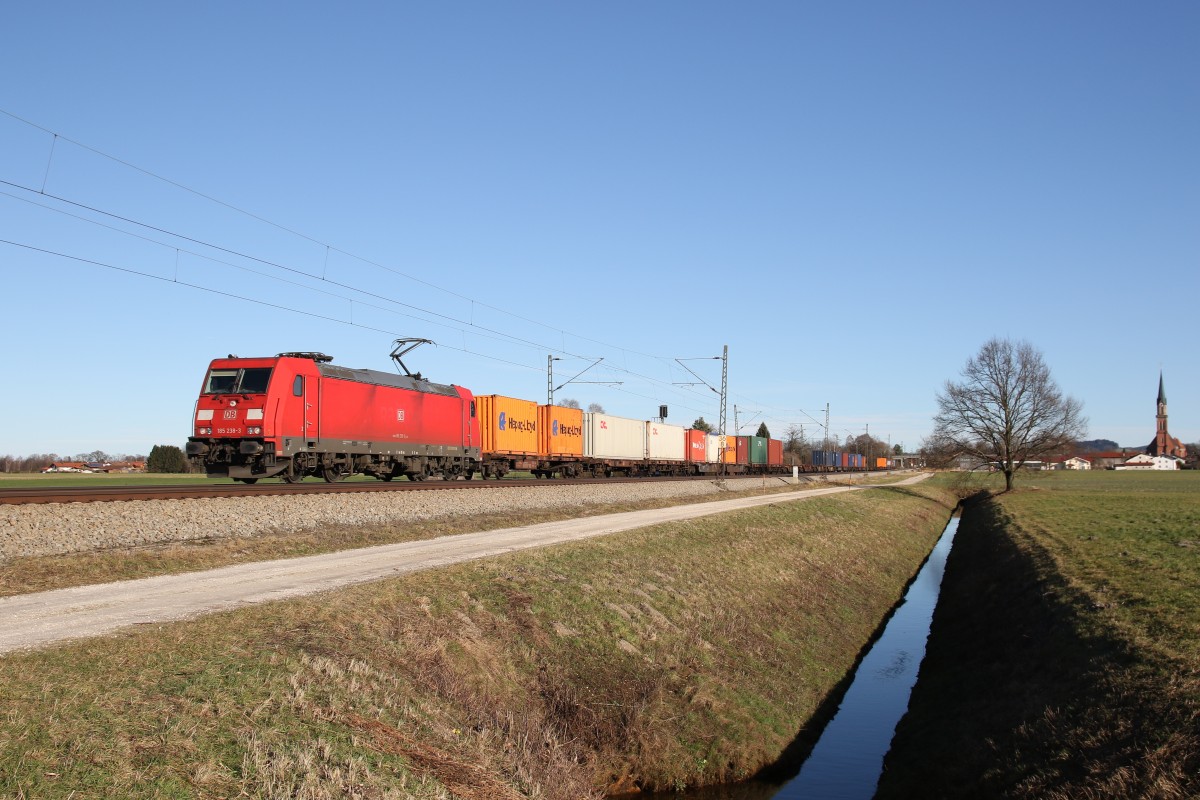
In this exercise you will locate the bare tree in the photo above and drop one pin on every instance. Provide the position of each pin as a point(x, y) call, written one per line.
point(1007, 410)
point(569, 403)
point(595, 408)
point(793, 438)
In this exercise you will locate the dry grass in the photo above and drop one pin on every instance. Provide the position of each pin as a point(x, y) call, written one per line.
point(669, 656)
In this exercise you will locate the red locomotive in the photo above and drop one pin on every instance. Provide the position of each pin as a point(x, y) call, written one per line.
point(297, 414)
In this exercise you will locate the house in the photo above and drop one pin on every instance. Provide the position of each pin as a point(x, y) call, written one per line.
point(1144, 461)
point(67, 466)
point(1107, 459)
point(1074, 462)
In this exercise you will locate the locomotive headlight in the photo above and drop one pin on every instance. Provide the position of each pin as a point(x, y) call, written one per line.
point(204, 431)
point(253, 430)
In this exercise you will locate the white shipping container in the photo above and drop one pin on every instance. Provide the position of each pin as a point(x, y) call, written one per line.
point(712, 452)
point(665, 442)
point(606, 436)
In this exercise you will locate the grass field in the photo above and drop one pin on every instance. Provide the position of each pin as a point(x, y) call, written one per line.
point(24, 480)
point(1065, 655)
point(684, 653)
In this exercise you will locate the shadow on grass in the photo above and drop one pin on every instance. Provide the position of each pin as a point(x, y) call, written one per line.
point(1025, 693)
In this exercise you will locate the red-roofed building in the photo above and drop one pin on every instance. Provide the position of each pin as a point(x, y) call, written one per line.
point(67, 466)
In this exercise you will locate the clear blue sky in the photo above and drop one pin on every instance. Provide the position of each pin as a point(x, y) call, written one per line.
point(852, 196)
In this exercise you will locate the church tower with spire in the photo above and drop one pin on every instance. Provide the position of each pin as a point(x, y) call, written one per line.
point(1164, 444)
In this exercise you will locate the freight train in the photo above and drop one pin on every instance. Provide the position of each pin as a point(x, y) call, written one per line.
point(297, 414)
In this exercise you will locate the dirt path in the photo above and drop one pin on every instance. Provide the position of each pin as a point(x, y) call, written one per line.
point(37, 620)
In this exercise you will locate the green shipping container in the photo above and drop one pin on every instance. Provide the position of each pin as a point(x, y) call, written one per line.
point(758, 450)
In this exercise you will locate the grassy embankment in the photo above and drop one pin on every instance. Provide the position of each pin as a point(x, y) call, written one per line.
point(679, 654)
point(1064, 660)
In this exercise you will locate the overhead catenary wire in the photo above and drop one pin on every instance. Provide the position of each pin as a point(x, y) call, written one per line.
point(209, 289)
point(291, 231)
point(451, 322)
point(476, 329)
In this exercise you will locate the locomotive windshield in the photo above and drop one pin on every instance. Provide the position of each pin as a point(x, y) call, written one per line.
point(238, 381)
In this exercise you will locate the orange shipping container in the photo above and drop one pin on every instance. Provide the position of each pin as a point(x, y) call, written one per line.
point(881, 463)
point(697, 445)
point(508, 426)
point(560, 432)
point(728, 450)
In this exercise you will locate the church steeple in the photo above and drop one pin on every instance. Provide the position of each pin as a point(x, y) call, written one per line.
point(1164, 444)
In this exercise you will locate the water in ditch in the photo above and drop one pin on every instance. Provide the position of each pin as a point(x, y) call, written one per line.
point(847, 760)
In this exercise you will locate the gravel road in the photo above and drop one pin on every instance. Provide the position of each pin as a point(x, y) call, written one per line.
point(37, 620)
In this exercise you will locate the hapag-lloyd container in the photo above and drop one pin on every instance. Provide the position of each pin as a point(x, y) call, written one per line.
point(606, 436)
point(560, 431)
point(508, 426)
point(665, 442)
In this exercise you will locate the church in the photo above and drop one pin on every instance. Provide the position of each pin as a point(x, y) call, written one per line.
point(1164, 443)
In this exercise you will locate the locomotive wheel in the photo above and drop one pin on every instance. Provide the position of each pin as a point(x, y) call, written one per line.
point(292, 475)
point(332, 473)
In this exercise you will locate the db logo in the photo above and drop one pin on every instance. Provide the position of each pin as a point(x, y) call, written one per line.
point(229, 414)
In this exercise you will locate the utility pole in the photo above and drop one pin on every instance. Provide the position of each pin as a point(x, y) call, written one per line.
point(724, 387)
point(827, 426)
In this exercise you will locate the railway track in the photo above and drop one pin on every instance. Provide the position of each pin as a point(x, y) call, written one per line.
point(95, 494)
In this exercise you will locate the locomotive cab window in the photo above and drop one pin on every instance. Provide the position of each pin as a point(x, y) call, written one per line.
point(238, 381)
point(221, 381)
point(298, 386)
point(254, 381)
